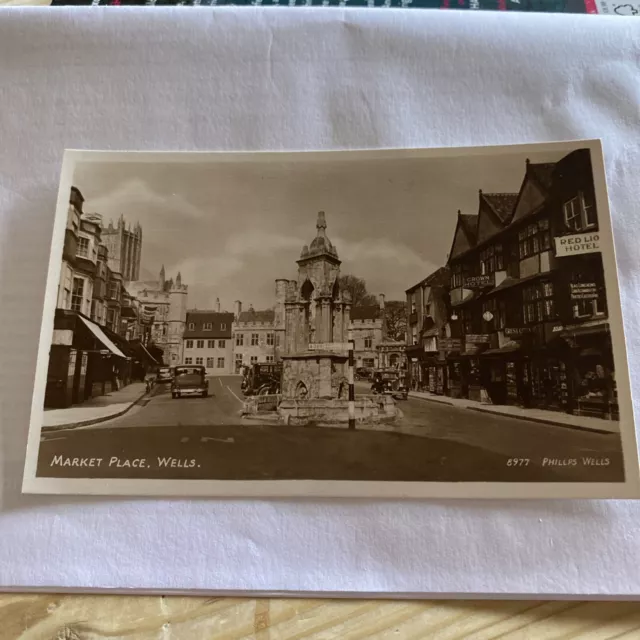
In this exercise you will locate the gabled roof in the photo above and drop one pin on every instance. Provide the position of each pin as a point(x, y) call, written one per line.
point(264, 316)
point(465, 235)
point(220, 324)
point(501, 204)
point(542, 173)
point(369, 312)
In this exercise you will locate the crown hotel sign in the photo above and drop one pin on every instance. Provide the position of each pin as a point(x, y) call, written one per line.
point(577, 244)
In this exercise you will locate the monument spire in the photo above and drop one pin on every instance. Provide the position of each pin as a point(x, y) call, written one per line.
point(321, 225)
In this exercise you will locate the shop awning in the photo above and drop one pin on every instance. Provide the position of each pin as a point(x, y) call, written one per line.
point(144, 349)
point(510, 347)
point(102, 336)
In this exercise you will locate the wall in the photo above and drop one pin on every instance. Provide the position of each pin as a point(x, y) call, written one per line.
point(211, 349)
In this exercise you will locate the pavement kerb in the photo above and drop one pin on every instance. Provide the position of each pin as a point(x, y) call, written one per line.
point(86, 423)
point(488, 409)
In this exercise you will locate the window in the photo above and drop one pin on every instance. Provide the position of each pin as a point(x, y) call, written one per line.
point(188, 345)
point(77, 294)
point(457, 276)
point(222, 344)
point(239, 339)
point(209, 363)
point(534, 238)
point(414, 335)
point(207, 326)
point(211, 344)
point(412, 300)
point(491, 260)
point(269, 358)
point(220, 363)
point(590, 299)
point(428, 309)
point(368, 342)
point(111, 318)
point(368, 362)
point(114, 289)
point(238, 358)
point(254, 339)
point(253, 359)
point(83, 247)
point(199, 360)
point(223, 326)
point(188, 360)
point(538, 303)
point(277, 339)
point(579, 214)
point(200, 344)
point(192, 326)
point(270, 339)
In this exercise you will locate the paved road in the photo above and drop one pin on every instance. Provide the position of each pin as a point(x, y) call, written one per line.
point(207, 438)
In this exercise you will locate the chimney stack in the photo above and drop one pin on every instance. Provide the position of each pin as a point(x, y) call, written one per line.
point(381, 298)
point(217, 305)
point(238, 309)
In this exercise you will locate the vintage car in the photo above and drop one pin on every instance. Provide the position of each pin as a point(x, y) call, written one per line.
point(363, 373)
point(189, 380)
point(164, 374)
point(389, 382)
point(262, 379)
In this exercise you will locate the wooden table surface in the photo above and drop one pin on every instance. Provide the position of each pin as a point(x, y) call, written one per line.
point(72, 617)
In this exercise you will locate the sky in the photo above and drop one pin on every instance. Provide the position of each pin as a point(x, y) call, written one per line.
point(231, 229)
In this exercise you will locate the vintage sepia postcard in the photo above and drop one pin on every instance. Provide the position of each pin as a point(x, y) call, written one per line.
point(402, 323)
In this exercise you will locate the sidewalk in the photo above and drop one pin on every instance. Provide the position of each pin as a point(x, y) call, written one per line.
point(556, 418)
point(96, 409)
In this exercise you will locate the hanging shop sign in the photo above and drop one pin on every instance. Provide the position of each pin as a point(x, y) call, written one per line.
point(577, 244)
point(584, 291)
point(479, 338)
point(480, 282)
point(450, 344)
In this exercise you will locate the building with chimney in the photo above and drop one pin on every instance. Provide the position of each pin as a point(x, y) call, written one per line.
point(162, 306)
point(254, 336)
point(124, 244)
point(207, 340)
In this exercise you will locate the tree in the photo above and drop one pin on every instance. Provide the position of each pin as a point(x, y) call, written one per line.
point(357, 287)
point(396, 318)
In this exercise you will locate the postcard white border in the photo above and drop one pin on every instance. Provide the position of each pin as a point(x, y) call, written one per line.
point(336, 488)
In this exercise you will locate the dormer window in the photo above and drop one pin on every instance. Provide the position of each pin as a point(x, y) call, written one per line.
point(208, 326)
point(192, 326)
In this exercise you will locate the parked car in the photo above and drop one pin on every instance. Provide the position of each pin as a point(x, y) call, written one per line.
point(262, 379)
point(164, 374)
point(189, 381)
point(389, 382)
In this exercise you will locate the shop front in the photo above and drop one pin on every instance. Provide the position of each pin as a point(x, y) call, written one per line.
point(507, 375)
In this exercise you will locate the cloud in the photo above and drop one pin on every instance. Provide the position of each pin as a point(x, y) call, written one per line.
point(138, 202)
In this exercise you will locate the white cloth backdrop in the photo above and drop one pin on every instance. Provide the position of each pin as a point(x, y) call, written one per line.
point(171, 79)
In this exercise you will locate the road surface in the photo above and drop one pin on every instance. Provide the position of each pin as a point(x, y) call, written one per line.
point(206, 438)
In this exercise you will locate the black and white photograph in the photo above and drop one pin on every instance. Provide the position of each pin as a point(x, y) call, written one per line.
point(402, 323)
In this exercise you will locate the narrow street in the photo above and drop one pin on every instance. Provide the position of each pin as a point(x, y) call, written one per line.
point(206, 438)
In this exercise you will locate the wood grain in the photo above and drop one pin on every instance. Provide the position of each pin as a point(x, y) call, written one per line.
point(71, 617)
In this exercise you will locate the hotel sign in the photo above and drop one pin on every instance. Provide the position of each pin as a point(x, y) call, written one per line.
point(577, 244)
point(516, 332)
point(480, 282)
point(584, 291)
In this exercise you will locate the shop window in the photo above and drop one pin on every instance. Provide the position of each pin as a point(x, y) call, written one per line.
point(534, 238)
point(579, 214)
point(454, 372)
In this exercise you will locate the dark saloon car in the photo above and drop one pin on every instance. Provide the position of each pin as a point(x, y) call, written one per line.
point(189, 380)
